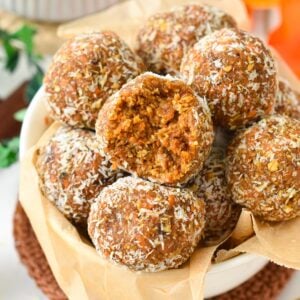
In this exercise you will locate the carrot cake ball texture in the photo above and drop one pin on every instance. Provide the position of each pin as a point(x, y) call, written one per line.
point(221, 212)
point(72, 172)
point(263, 168)
point(287, 100)
point(146, 226)
point(167, 36)
point(236, 74)
point(85, 71)
point(155, 127)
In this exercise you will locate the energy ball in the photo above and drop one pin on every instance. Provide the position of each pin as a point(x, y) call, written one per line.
point(166, 37)
point(85, 71)
point(72, 172)
point(236, 74)
point(156, 128)
point(221, 212)
point(263, 168)
point(287, 100)
point(146, 226)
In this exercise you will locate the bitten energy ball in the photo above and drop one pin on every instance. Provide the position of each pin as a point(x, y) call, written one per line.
point(85, 71)
point(146, 226)
point(156, 128)
point(236, 74)
point(166, 37)
point(287, 100)
point(221, 212)
point(263, 169)
point(72, 172)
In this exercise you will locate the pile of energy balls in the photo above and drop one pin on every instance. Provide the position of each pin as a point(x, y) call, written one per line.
point(161, 147)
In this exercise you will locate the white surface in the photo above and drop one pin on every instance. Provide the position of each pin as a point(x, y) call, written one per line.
point(15, 284)
point(21, 74)
point(9, 82)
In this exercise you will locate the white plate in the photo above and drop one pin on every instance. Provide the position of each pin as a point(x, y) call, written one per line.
point(220, 278)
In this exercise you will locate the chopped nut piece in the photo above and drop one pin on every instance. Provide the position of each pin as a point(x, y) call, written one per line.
point(250, 67)
point(165, 225)
point(273, 165)
point(227, 68)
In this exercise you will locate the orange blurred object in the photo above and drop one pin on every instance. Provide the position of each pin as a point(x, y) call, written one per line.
point(262, 4)
point(286, 39)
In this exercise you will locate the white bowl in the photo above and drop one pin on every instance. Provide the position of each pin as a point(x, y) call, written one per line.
point(220, 278)
point(55, 10)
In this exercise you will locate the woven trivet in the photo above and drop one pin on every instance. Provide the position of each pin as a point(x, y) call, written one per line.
point(33, 258)
point(265, 285)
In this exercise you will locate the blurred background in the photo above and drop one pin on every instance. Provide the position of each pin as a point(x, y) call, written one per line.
point(27, 41)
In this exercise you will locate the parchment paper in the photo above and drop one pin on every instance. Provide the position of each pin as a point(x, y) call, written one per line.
point(127, 17)
point(280, 243)
point(80, 272)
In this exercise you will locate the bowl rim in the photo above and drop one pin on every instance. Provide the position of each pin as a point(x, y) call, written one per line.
point(26, 124)
point(242, 258)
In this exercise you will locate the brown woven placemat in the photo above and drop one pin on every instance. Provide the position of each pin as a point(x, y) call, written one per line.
point(32, 256)
point(265, 285)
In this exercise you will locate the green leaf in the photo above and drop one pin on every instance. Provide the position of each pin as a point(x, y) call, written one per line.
point(26, 34)
point(20, 114)
point(33, 85)
point(13, 144)
point(9, 152)
point(6, 157)
point(22, 40)
point(12, 55)
point(4, 35)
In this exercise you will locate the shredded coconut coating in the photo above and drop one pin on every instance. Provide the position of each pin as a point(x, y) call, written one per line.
point(146, 226)
point(221, 212)
point(236, 74)
point(263, 168)
point(156, 128)
point(72, 172)
point(167, 36)
point(85, 71)
point(287, 100)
